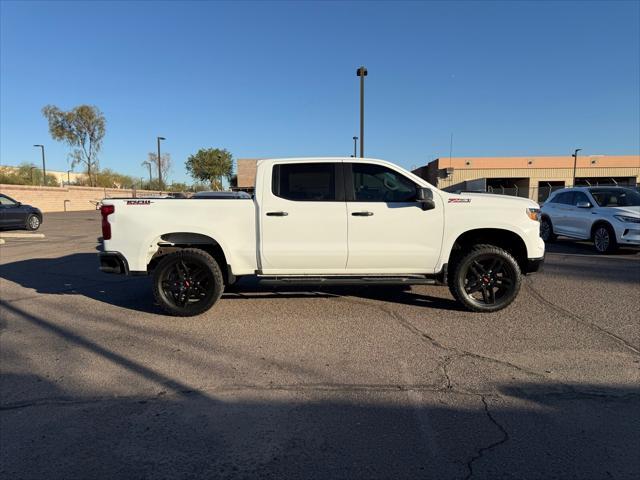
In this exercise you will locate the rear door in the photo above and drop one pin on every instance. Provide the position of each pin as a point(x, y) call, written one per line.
point(561, 207)
point(389, 232)
point(303, 219)
point(579, 220)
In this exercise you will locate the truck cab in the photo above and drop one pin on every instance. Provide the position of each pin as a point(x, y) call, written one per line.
point(327, 221)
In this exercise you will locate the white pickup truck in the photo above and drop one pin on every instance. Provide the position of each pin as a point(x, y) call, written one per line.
point(326, 221)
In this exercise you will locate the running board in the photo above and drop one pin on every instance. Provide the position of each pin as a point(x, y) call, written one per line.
point(347, 280)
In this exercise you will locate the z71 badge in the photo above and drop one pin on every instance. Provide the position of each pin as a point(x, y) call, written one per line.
point(139, 202)
point(459, 200)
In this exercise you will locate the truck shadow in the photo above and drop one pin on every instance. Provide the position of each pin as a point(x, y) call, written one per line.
point(78, 274)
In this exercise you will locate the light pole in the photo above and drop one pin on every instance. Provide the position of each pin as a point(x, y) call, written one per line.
point(44, 168)
point(148, 164)
point(160, 163)
point(355, 147)
point(361, 72)
point(575, 163)
point(31, 169)
point(68, 177)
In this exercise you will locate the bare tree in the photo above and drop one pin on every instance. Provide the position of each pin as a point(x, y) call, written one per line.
point(165, 164)
point(82, 128)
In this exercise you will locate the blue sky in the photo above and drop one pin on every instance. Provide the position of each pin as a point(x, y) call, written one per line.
point(272, 79)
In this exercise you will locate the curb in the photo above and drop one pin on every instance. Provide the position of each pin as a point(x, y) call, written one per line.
point(21, 235)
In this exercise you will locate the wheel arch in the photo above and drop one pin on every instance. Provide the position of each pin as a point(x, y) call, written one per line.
point(598, 223)
point(508, 240)
point(173, 241)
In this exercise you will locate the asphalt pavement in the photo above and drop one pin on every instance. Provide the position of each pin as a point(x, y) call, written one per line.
point(363, 382)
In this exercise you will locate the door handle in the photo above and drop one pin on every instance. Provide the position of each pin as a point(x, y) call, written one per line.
point(361, 214)
point(277, 214)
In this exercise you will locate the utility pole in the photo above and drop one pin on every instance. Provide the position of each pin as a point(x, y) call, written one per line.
point(361, 72)
point(575, 163)
point(44, 167)
point(355, 146)
point(160, 163)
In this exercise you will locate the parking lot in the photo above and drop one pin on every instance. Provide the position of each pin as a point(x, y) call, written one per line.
point(297, 383)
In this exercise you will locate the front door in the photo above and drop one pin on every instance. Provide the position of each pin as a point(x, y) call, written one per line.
point(389, 232)
point(303, 219)
point(11, 213)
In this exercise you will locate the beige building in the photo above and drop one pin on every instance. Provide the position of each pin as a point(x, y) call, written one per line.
point(531, 176)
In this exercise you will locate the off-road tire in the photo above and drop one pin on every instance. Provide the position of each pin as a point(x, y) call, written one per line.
point(168, 270)
point(461, 270)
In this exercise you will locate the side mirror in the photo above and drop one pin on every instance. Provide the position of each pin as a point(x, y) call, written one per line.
point(424, 196)
point(583, 205)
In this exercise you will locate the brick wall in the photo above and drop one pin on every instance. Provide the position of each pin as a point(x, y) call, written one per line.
point(59, 199)
point(246, 172)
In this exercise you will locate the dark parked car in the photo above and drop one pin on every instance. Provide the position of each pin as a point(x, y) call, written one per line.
point(14, 214)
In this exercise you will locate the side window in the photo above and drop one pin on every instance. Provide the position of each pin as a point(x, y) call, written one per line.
point(564, 198)
point(305, 182)
point(6, 201)
point(375, 183)
point(579, 197)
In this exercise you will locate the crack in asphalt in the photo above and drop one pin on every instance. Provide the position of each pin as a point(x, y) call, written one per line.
point(406, 324)
point(483, 450)
point(563, 311)
point(201, 391)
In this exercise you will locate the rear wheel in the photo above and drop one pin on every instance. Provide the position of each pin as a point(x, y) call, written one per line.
point(187, 282)
point(486, 279)
point(604, 239)
point(546, 230)
point(33, 222)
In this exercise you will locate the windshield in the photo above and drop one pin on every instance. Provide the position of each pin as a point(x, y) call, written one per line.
point(616, 197)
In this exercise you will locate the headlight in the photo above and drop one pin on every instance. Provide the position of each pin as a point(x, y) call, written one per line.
point(624, 218)
point(533, 214)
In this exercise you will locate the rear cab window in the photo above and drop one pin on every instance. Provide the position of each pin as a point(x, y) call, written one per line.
point(306, 182)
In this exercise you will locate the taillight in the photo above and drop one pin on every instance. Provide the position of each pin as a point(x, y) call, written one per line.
point(106, 210)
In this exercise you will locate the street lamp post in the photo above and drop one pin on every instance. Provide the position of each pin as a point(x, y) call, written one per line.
point(361, 72)
point(355, 147)
point(148, 164)
point(160, 163)
point(575, 163)
point(44, 168)
point(31, 169)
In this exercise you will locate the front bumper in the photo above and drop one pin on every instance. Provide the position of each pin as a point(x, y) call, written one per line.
point(113, 262)
point(533, 265)
point(628, 233)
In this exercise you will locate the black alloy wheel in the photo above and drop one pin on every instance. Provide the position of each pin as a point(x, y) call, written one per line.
point(187, 282)
point(487, 279)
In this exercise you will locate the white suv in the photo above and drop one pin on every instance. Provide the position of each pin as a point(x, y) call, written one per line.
point(609, 216)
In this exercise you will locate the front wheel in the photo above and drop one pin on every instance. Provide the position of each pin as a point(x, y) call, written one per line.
point(546, 230)
point(604, 239)
point(486, 279)
point(187, 282)
point(33, 222)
